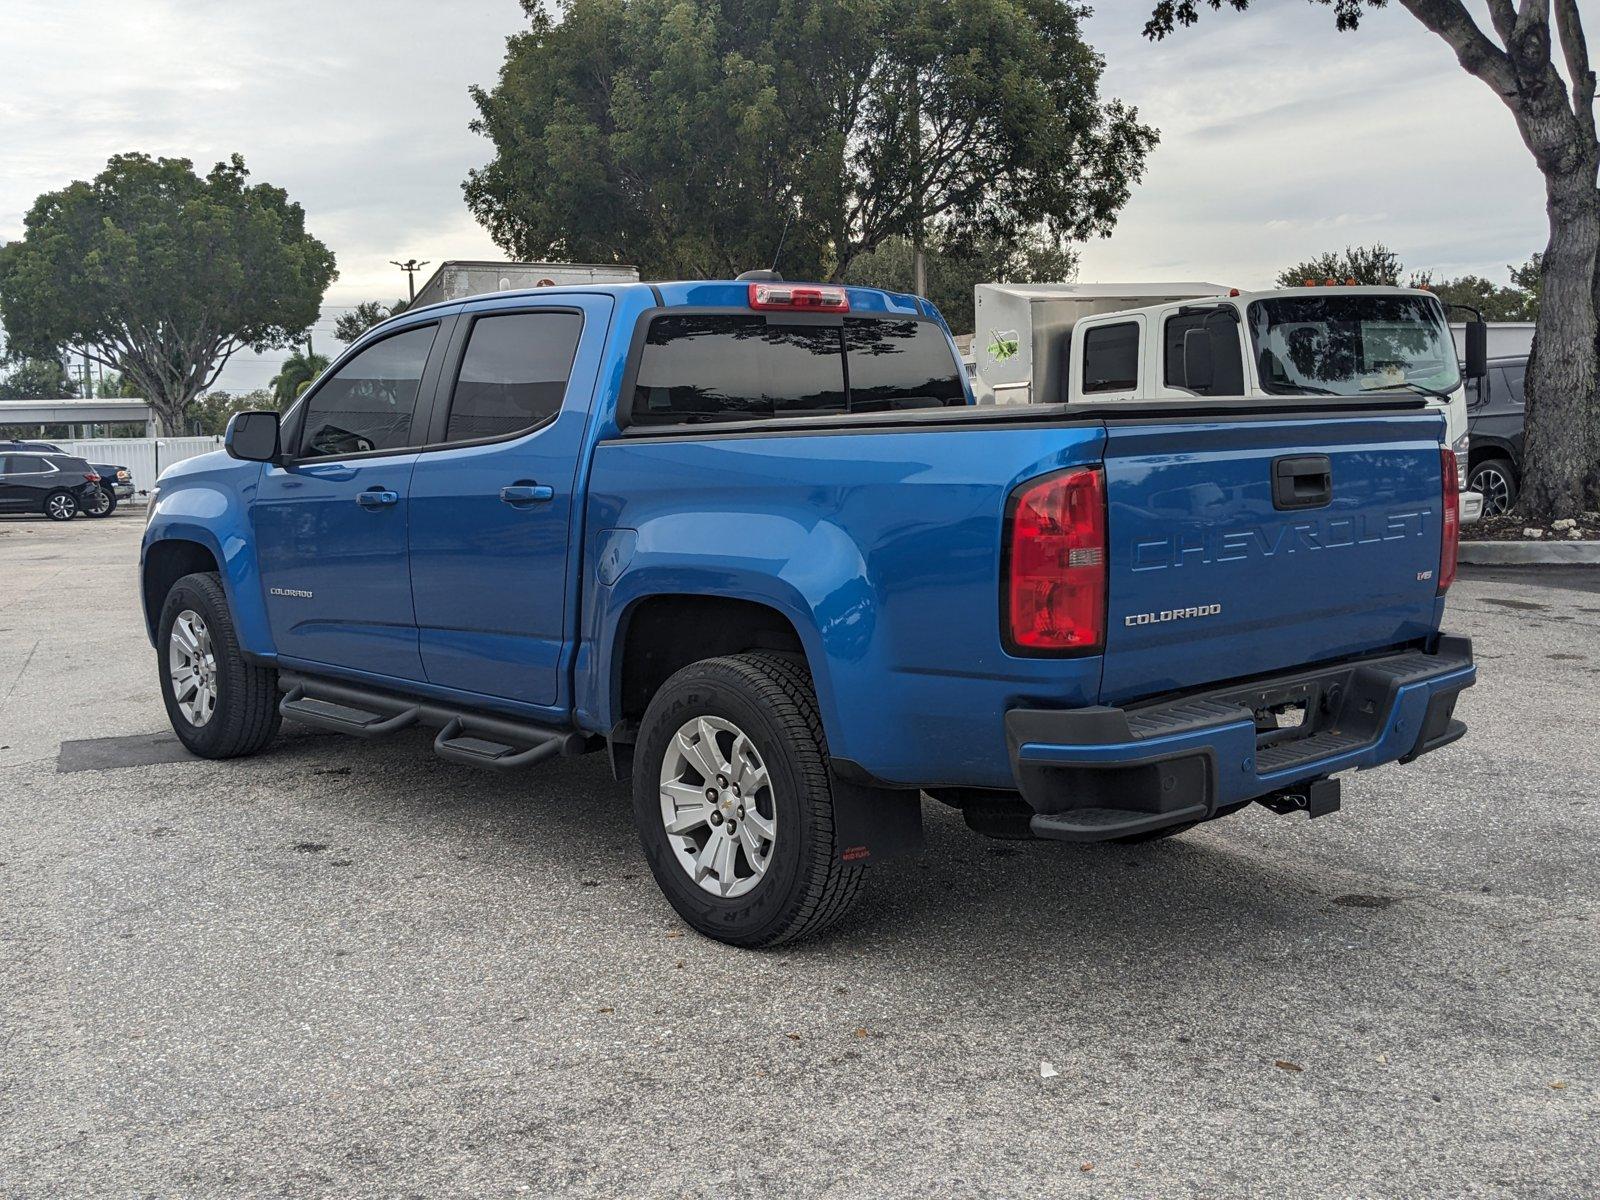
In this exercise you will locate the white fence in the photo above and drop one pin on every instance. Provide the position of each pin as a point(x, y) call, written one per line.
point(146, 458)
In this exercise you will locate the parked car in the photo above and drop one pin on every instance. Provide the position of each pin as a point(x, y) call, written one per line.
point(116, 482)
point(1495, 415)
point(754, 540)
point(57, 485)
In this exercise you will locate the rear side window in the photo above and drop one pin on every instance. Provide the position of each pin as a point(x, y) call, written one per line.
point(736, 367)
point(513, 374)
point(1227, 363)
point(370, 402)
point(1513, 377)
point(1111, 358)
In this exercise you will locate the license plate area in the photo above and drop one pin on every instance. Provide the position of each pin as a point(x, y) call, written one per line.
point(1290, 713)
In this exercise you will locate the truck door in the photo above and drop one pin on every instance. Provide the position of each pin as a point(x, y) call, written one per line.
point(330, 522)
point(494, 497)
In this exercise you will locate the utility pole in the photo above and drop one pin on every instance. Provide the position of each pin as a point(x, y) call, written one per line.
point(411, 266)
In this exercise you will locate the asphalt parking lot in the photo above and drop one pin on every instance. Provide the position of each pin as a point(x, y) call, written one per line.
point(351, 969)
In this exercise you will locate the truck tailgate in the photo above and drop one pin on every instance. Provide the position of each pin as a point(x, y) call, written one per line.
point(1241, 546)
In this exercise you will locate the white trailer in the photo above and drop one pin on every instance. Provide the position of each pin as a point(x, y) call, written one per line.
point(457, 279)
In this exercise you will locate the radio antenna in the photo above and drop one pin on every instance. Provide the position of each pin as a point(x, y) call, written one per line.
point(782, 237)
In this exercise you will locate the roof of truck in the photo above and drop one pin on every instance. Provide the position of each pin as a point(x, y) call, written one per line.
point(1104, 291)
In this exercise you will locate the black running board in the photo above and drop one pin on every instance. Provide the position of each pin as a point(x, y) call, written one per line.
point(466, 736)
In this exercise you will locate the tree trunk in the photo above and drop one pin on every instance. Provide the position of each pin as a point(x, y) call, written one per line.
point(170, 412)
point(1563, 416)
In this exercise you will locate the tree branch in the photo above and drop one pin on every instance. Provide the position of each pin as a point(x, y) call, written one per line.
point(1478, 55)
point(1569, 25)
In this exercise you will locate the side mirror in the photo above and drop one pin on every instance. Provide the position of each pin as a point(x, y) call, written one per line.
point(252, 437)
point(1477, 339)
point(1198, 370)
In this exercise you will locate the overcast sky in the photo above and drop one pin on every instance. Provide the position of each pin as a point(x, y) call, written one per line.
point(1280, 138)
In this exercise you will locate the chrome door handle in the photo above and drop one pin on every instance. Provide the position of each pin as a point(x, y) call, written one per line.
point(519, 494)
point(377, 498)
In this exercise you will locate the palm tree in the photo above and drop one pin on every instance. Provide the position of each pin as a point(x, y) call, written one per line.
point(299, 371)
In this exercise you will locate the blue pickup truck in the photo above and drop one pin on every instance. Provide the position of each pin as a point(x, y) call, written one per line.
point(753, 540)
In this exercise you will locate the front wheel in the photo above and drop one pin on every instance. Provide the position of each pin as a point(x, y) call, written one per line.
point(733, 805)
point(220, 704)
point(61, 506)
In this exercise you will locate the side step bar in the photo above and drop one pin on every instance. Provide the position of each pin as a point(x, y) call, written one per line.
point(465, 736)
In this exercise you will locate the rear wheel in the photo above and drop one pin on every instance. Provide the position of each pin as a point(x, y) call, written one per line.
point(1496, 480)
point(220, 704)
point(733, 804)
point(102, 502)
point(61, 506)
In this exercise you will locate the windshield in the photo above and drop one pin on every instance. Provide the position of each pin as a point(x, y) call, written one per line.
point(1346, 345)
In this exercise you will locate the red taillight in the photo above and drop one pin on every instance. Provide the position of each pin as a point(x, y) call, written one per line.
point(92, 477)
point(1055, 583)
point(1450, 535)
point(797, 296)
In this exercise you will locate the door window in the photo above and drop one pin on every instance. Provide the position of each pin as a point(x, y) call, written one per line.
point(370, 403)
point(1111, 358)
point(513, 375)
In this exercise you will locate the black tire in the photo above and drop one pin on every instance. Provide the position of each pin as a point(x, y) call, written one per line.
point(806, 887)
point(245, 718)
point(1496, 480)
point(103, 504)
point(60, 506)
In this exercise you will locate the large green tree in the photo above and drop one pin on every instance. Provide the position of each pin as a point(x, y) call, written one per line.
point(1374, 266)
point(1515, 56)
point(1379, 265)
point(298, 372)
point(691, 136)
point(162, 275)
point(364, 316)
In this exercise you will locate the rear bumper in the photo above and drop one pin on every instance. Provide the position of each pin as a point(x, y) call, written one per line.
point(1093, 773)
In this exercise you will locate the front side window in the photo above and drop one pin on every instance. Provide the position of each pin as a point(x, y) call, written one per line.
point(1111, 358)
point(513, 374)
point(1345, 345)
point(370, 403)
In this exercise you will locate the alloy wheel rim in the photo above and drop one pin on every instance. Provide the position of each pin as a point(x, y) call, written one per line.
point(192, 667)
point(718, 807)
point(99, 503)
point(1496, 491)
point(60, 506)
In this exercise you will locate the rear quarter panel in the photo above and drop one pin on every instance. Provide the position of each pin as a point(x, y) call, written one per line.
point(883, 550)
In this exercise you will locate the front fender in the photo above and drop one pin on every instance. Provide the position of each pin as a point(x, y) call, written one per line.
point(212, 509)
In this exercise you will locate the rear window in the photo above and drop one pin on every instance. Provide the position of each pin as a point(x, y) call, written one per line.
point(1111, 358)
point(715, 367)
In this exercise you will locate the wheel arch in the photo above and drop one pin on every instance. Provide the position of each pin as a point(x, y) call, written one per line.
point(165, 562)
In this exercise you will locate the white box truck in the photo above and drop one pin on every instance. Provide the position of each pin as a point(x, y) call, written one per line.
point(1070, 343)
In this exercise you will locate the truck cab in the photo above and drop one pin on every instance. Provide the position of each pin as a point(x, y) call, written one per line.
point(1332, 340)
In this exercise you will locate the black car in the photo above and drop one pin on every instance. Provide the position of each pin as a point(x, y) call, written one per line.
point(1494, 419)
point(116, 482)
point(57, 485)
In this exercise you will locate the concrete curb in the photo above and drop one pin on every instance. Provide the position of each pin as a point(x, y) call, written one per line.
point(1508, 554)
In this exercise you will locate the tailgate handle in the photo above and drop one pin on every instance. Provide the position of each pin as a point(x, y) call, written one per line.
point(1305, 481)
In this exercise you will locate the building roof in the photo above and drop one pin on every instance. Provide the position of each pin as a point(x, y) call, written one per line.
point(73, 412)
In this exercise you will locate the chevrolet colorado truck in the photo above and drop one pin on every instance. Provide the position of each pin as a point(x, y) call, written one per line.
point(753, 540)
